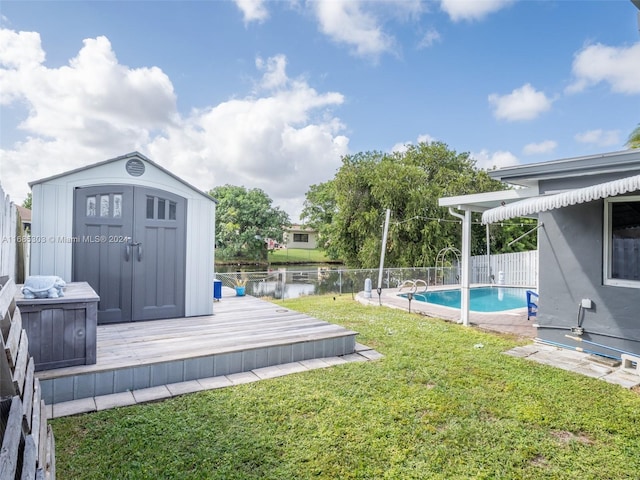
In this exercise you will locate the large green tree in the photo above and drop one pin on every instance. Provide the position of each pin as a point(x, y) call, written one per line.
point(318, 211)
point(244, 220)
point(27, 201)
point(634, 138)
point(349, 210)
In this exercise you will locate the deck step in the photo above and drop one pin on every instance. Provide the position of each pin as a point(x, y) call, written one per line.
point(243, 335)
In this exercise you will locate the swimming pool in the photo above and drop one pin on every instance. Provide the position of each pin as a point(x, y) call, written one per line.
point(483, 299)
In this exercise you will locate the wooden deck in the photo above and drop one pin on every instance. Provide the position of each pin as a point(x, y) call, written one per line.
point(244, 333)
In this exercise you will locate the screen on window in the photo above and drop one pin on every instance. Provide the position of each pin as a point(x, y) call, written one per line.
point(625, 240)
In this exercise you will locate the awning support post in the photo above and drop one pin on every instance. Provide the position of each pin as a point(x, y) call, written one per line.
point(383, 249)
point(466, 264)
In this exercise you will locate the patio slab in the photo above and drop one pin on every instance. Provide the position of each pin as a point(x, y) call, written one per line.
point(113, 400)
point(151, 394)
point(578, 362)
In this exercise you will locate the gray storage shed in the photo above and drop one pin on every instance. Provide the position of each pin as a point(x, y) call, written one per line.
point(139, 235)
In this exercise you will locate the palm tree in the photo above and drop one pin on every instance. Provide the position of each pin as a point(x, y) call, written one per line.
point(634, 138)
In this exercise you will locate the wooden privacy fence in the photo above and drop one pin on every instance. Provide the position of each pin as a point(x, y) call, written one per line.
point(13, 241)
point(28, 449)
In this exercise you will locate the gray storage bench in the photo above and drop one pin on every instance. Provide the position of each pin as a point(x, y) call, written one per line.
point(61, 331)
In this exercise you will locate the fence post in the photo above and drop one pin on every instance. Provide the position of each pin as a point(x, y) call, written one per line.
point(284, 281)
point(340, 280)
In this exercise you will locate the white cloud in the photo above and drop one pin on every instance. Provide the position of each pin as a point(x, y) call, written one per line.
point(524, 103)
point(20, 49)
point(471, 9)
point(402, 147)
point(599, 137)
point(275, 69)
point(93, 100)
point(281, 138)
point(432, 36)
point(546, 146)
point(425, 138)
point(488, 161)
point(252, 10)
point(347, 21)
point(617, 66)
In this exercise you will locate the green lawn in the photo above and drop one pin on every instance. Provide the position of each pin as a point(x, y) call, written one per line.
point(444, 403)
point(297, 255)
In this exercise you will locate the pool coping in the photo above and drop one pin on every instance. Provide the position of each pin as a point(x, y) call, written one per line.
point(509, 321)
point(473, 287)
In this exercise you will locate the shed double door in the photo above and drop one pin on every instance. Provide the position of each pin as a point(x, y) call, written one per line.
point(130, 246)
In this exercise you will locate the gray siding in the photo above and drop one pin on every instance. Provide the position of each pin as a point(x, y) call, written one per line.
point(571, 269)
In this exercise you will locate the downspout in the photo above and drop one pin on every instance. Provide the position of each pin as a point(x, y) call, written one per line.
point(488, 239)
point(466, 257)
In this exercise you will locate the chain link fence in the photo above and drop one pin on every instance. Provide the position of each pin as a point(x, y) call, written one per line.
point(288, 283)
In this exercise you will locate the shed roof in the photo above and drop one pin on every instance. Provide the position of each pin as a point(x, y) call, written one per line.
point(127, 156)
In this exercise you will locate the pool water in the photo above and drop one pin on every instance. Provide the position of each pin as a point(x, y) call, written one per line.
point(483, 299)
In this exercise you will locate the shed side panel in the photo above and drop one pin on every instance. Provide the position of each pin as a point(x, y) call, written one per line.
point(51, 231)
point(200, 257)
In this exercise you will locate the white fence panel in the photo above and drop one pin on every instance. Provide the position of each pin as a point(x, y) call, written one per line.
point(508, 268)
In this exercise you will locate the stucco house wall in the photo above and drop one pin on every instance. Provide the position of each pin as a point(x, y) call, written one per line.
point(571, 268)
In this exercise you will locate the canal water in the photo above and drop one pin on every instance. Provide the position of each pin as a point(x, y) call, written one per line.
point(297, 280)
point(289, 281)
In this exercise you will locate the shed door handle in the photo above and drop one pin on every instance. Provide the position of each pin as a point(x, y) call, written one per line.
point(139, 245)
point(127, 252)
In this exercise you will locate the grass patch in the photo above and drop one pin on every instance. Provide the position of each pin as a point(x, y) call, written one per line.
point(435, 406)
point(297, 255)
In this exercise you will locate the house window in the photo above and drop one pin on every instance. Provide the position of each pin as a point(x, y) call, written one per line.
point(622, 241)
point(301, 237)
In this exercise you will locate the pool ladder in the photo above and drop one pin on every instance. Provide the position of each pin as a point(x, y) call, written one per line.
point(414, 284)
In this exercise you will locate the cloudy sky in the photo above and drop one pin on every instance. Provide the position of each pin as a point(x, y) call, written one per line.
point(271, 94)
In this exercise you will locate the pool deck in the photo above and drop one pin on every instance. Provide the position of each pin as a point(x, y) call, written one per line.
point(510, 321)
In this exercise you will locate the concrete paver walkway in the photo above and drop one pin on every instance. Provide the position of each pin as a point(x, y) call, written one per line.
point(104, 402)
point(578, 362)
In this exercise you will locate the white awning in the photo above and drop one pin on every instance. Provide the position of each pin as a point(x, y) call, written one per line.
point(531, 206)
